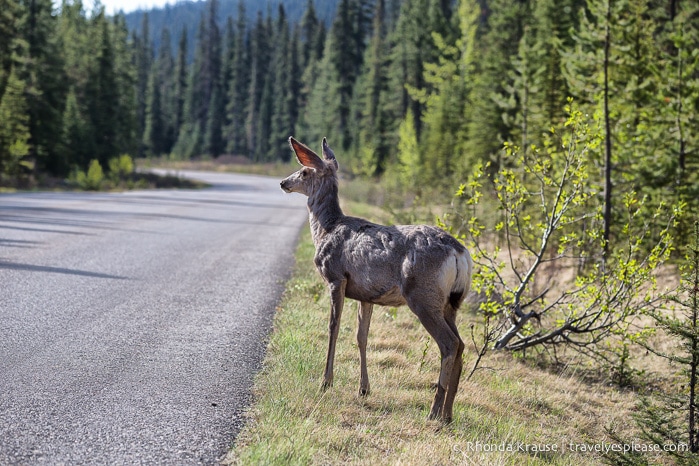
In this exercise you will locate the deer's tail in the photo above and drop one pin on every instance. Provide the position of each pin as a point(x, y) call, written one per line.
point(462, 281)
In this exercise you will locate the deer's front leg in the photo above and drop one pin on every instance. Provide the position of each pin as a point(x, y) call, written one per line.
point(337, 300)
point(363, 321)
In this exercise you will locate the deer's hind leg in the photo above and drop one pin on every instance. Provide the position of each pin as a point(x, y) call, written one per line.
point(363, 320)
point(450, 318)
point(450, 346)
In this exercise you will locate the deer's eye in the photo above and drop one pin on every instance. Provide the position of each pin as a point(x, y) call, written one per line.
point(304, 174)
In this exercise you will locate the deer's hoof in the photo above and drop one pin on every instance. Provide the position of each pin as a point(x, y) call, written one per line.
point(364, 392)
point(325, 385)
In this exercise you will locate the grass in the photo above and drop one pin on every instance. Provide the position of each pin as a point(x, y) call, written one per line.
point(224, 163)
point(508, 403)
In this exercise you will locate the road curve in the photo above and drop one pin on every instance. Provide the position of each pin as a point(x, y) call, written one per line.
point(131, 324)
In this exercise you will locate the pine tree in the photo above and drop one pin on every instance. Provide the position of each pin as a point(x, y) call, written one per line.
point(412, 47)
point(180, 85)
point(320, 116)
point(215, 111)
point(154, 142)
point(449, 91)
point(166, 80)
point(125, 112)
point(76, 146)
point(677, 75)
point(9, 22)
point(144, 61)
point(284, 90)
point(14, 126)
point(309, 32)
point(45, 80)
point(503, 31)
point(371, 92)
point(204, 78)
point(259, 58)
point(238, 88)
point(102, 92)
point(343, 57)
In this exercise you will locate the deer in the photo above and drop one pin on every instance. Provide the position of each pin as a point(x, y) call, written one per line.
point(418, 265)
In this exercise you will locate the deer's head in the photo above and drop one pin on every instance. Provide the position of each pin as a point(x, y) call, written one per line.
point(316, 171)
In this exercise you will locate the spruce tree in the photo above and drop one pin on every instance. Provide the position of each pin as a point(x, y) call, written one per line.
point(180, 85)
point(309, 32)
point(283, 96)
point(447, 97)
point(238, 86)
point(154, 142)
point(75, 147)
point(215, 104)
point(14, 126)
point(499, 45)
point(371, 93)
point(102, 93)
point(259, 73)
point(165, 64)
point(344, 58)
point(144, 62)
point(45, 80)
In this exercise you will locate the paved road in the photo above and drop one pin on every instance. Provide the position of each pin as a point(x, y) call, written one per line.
point(131, 323)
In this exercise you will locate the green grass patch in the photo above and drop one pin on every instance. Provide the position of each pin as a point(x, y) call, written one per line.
point(508, 405)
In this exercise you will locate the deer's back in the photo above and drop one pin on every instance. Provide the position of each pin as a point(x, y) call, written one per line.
point(379, 261)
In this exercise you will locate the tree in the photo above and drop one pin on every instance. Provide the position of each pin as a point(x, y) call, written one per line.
point(343, 57)
point(14, 129)
point(45, 83)
point(669, 416)
point(204, 78)
point(215, 112)
point(259, 56)
point(154, 141)
point(238, 88)
point(101, 92)
point(309, 35)
point(284, 90)
point(180, 84)
point(143, 50)
point(75, 134)
point(549, 222)
point(447, 96)
point(165, 65)
point(500, 36)
point(371, 93)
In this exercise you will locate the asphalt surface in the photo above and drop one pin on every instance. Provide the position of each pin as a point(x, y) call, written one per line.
point(131, 324)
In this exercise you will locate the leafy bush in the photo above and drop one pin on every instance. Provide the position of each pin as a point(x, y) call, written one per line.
point(121, 167)
point(92, 180)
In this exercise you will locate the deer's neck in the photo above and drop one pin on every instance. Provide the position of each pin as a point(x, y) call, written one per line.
point(324, 210)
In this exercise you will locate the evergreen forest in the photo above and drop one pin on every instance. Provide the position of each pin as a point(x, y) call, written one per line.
point(419, 90)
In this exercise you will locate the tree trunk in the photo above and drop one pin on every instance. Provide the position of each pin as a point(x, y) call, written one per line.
point(607, 215)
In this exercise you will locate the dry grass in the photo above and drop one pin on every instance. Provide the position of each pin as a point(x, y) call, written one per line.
point(508, 403)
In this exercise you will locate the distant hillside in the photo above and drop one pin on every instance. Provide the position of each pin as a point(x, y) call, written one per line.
point(187, 14)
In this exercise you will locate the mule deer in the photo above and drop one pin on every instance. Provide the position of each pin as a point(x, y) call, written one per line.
point(417, 265)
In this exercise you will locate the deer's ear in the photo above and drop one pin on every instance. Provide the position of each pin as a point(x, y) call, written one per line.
point(306, 156)
point(328, 154)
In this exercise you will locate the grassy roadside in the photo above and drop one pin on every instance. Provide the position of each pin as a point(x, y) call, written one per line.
point(224, 163)
point(508, 404)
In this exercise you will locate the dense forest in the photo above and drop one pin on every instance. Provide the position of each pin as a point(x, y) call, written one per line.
point(184, 15)
point(422, 88)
